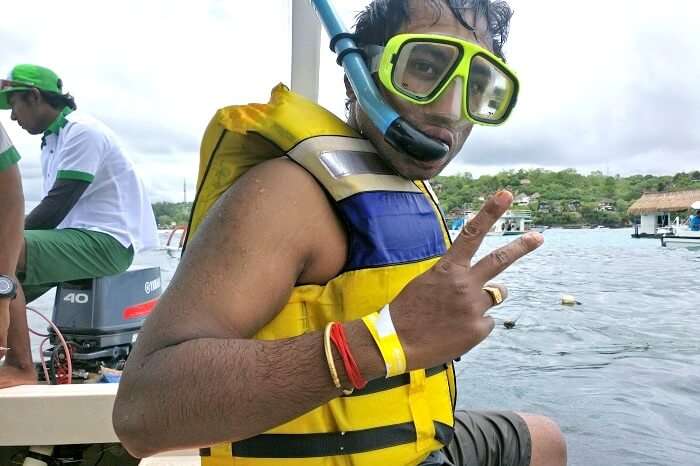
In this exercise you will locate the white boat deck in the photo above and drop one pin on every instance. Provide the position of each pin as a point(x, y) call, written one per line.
point(68, 414)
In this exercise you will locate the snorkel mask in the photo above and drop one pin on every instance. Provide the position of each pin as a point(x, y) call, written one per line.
point(420, 68)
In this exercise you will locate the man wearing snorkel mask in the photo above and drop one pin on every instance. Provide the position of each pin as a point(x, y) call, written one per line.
point(315, 315)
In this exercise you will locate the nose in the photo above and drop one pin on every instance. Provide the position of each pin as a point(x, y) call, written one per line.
point(13, 117)
point(449, 103)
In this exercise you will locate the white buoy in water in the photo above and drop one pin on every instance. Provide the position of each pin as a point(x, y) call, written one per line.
point(568, 300)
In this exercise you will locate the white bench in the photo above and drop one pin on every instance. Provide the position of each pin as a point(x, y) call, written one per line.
point(66, 415)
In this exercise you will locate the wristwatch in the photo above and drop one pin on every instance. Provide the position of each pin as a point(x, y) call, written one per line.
point(8, 289)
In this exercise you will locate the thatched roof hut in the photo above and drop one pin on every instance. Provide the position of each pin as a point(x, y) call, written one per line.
point(677, 201)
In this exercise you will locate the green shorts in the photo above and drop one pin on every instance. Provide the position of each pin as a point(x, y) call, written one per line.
point(486, 438)
point(55, 256)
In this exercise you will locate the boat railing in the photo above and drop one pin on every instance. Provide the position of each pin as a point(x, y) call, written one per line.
point(180, 241)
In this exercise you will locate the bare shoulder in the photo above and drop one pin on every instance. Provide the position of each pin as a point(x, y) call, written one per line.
point(273, 229)
point(278, 206)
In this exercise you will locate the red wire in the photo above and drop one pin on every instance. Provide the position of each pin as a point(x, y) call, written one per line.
point(63, 342)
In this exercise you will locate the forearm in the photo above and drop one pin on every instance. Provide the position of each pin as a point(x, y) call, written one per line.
point(11, 226)
point(206, 391)
point(56, 205)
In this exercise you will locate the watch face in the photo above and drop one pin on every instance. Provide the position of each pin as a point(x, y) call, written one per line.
point(6, 286)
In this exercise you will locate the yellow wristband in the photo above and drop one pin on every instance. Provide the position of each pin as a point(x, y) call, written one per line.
point(382, 329)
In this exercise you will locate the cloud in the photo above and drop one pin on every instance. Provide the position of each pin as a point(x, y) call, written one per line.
point(610, 87)
point(613, 87)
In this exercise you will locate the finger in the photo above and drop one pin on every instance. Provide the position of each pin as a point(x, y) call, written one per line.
point(502, 258)
point(485, 327)
point(495, 294)
point(471, 236)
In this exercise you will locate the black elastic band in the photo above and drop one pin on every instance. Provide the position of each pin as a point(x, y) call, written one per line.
point(340, 36)
point(348, 50)
point(333, 444)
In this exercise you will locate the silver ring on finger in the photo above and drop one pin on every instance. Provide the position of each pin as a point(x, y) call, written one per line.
point(497, 293)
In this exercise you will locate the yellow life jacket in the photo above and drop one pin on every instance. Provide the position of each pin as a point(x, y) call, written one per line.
point(395, 233)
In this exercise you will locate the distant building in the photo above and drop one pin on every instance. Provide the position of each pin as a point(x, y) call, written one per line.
point(458, 212)
point(544, 207)
point(606, 206)
point(655, 209)
point(522, 200)
point(574, 205)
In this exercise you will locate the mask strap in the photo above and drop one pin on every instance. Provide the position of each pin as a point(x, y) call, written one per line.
point(374, 56)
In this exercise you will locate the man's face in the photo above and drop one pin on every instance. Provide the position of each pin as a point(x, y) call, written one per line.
point(25, 111)
point(442, 119)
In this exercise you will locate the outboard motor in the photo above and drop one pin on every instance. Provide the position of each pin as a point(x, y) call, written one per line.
point(100, 319)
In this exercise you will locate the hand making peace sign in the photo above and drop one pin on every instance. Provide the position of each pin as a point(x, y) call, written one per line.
point(440, 315)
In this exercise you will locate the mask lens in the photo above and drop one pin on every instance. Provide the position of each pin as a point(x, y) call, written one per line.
point(421, 67)
point(489, 92)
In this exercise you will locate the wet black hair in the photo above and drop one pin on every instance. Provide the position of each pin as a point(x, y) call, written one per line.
point(382, 19)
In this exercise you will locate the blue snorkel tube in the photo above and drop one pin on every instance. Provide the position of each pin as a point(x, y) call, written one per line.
point(397, 132)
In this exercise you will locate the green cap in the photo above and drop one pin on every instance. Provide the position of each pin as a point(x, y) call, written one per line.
point(24, 77)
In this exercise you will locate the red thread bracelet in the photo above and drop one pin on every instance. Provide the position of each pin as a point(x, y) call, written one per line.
point(351, 368)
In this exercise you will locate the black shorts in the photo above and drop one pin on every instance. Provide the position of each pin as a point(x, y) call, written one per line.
point(485, 438)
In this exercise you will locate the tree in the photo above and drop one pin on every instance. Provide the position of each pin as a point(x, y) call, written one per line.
point(557, 188)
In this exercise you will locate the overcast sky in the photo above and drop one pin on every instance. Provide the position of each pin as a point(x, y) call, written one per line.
point(606, 85)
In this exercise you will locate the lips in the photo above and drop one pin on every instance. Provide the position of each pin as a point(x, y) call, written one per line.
point(441, 134)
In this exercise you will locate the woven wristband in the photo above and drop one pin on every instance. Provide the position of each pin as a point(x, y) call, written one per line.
point(382, 329)
point(352, 370)
point(329, 359)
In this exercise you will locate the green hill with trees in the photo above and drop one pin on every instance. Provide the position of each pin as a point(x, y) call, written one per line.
point(169, 214)
point(560, 198)
point(555, 198)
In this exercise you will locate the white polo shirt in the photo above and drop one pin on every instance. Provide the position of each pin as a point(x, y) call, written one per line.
point(80, 147)
point(8, 153)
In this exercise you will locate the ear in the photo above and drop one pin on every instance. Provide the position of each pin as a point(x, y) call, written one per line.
point(33, 96)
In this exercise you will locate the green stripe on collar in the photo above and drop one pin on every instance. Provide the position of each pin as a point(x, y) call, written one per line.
point(8, 158)
point(74, 175)
point(59, 122)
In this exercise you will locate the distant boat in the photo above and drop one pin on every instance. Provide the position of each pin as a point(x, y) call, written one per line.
point(511, 223)
point(681, 237)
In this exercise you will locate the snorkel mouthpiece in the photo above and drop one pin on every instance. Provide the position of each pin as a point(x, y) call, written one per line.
point(396, 131)
point(404, 137)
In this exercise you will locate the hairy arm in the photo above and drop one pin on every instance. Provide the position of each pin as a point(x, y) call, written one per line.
point(55, 206)
point(196, 377)
point(12, 200)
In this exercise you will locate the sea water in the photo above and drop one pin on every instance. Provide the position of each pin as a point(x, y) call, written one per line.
point(620, 372)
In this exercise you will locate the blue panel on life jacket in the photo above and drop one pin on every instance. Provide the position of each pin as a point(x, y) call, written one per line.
point(387, 227)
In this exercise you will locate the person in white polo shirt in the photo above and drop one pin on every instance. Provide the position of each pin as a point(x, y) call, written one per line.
point(94, 213)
